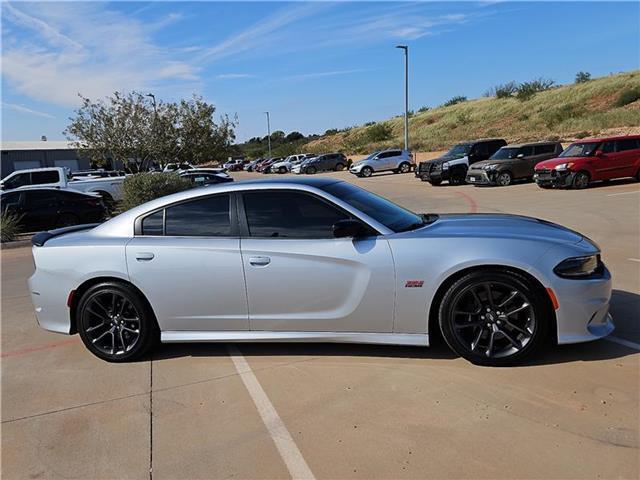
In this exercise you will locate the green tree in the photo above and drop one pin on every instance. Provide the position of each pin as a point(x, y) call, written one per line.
point(583, 77)
point(131, 129)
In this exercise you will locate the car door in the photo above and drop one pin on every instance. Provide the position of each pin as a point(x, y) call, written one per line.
point(628, 153)
point(605, 162)
point(186, 259)
point(300, 278)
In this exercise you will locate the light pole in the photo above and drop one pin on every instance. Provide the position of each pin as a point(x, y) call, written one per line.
point(268, 132)
point(406, 95)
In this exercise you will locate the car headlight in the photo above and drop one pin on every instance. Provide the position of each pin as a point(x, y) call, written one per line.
point(445, 165)
point(491, 166)
point(579, 267)
point(564, 166)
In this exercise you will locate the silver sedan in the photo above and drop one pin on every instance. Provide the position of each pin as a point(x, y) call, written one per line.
point(318, 260)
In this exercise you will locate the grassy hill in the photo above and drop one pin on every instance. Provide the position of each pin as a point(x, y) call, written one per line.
point(600, 106)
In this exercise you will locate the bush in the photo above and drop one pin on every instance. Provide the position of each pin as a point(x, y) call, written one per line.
point(423, 109)
point(455, 100)
point(504, 90)
point(583, 77)
point(526, 90)
point(628, 96)
point(143, 187)
point(558, 115)
point(9, 227)
point(379, 132)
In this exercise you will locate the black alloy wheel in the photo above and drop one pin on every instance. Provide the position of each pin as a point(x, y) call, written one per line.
point(114, 323)
point(494, 318)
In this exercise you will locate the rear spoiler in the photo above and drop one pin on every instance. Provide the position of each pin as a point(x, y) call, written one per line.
point(39, 239)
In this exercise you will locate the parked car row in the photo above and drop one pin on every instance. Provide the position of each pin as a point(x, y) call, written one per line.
point(493, 162)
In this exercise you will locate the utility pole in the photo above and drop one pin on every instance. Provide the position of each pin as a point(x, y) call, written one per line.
point(268, 132)
point(406, 95)
point(155, 116)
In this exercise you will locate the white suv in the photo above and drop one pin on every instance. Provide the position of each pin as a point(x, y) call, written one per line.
point(288, 163)
point(397, 161)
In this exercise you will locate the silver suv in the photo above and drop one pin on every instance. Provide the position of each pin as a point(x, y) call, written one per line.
point(397, 161)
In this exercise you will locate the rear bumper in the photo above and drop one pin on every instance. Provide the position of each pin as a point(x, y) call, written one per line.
point(553, 178)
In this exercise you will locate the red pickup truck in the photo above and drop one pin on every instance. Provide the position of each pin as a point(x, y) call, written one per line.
point(591, 160)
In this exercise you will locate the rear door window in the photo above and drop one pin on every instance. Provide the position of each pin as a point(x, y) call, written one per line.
point(205, 217)
point(41, 199)
point(608, 147)
point(527, 151)
point(50, 176)
point(627, 144)
point(543, 149)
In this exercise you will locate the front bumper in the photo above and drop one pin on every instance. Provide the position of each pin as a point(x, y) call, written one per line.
point(553, 178)
point(433, 173)
point(583, 312)
point(481, 177)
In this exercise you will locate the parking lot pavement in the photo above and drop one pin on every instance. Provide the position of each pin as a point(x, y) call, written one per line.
point(343, 411)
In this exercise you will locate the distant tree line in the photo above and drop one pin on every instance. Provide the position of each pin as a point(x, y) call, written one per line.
point(282, 144)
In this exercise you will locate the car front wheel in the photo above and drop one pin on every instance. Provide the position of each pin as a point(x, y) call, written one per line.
point(115, 323)
point(580, 180)
point(504, 179)
point(493, 318)
point(366, 172)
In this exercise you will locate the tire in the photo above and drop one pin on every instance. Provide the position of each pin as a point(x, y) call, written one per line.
point(311, 170)
point(580, 180)
point(67, 220)
point(339, 167)
point(504, 179)
point(404, 168)
point(366, 172)
point(469, 318)
point(544, 186)
point(282, 170)
point(116, 338)
point(457, 178)
point(435, 183)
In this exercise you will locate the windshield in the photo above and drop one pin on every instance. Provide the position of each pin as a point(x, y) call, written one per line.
point(505, 153)
point(580, 149)
point(388, 213)
point(374, 154)
point(459, 150)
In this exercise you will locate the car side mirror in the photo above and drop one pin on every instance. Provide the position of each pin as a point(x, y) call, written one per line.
point(349, 228)
point(599, 153)
point(520, 155)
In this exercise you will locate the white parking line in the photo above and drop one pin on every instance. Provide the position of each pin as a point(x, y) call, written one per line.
point(623, 193)
point(634, 259)
point(622, 341)
point(293, 459)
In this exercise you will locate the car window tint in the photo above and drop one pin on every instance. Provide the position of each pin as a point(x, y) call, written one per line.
point(39, 199)
point(608, 147)
point(38, 178)
point(10, 199)
point(18, 180)
point(289, 215)
point(526, 151)
point(206, 217)
point(153, 224)
point(542, 149)
point(627, 144)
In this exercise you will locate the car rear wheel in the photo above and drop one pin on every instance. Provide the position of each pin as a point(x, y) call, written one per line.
point(366, 172)
point(504, 179)
point(435, 183)
point(457, 178)
point(282, 170)
point(494, 318)
point(581, 180)
point(114, 322)
point(67, 220)
point(404, 167)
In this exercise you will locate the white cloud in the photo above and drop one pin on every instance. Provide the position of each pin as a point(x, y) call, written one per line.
point(100, 51)
point(29, 111)
point(331, 73)
point(233, 76)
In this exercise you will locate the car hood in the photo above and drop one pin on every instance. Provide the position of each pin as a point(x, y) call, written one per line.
point(502, 161)
point(557, 161)
point(444, 158)
point(496, 225)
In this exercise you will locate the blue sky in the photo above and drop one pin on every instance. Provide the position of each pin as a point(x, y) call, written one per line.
point(314, 66)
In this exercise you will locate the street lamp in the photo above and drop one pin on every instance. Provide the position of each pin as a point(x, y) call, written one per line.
point(406, 95)
point(153, 97)
point(268, 132)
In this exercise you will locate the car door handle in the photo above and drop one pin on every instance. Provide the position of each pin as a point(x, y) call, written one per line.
point(259, 261)
point(144, 256)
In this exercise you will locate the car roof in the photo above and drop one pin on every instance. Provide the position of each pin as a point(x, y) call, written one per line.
point(604, 139)
point(30, 188)
point(317, 182)
point(481, 140)
point(532, 144)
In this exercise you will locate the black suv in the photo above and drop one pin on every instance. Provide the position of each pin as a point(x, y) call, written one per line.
point(329, 161)
point(512, 162)
point(453, 165)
